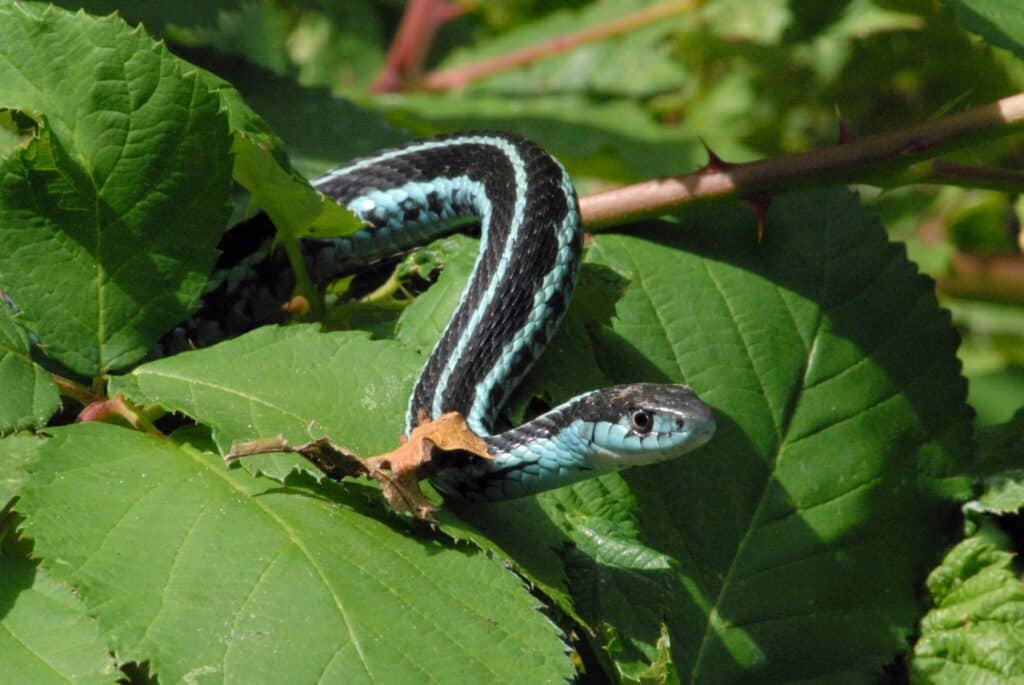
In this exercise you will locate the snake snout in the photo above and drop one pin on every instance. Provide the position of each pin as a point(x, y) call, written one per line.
point(702, 424)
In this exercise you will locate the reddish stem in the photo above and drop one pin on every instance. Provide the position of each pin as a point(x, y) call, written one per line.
point(460, 77)
point(412, 41)
point(102, 410)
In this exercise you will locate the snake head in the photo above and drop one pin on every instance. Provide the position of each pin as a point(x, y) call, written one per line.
point(642, 423)
point(603, 430)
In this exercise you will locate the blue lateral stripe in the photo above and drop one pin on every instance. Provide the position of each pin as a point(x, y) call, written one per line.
point(402, 234)
point(482, 410)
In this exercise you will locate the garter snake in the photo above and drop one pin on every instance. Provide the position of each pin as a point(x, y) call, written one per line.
point(519, 289)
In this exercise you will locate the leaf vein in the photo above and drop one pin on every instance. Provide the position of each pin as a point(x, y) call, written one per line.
point(170, 573)
point(746, 347)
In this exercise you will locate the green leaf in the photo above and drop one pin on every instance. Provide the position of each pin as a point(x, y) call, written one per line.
point(978, 224)
point(332, 44)
point(343, 47)
point(15, 452)
point(841, 410)
point(1000, 22)
point(659, 670)
point(255, 31)
point(310, 384)
point(996, 393)
point(319, 129)
point(205, 571)
point(8, 141)
point(841, 419)
point(736, 20)
point(288, 199)
point(110, 216)
point(999, 457)
point(863, 18)
point(975, 628)
point(30, 398)
point(262, 167)
point(156, 14)
point(295, 381)
point(45, 634)
point(1003, 493)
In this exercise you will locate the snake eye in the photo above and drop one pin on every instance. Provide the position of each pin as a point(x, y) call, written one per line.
point(641, 420)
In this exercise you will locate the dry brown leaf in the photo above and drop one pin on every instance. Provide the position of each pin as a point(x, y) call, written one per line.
point(432, 446)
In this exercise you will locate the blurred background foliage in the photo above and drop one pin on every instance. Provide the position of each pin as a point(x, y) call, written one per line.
point(752, 79)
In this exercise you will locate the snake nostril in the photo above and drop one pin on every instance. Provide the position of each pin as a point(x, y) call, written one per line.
point(680, 423)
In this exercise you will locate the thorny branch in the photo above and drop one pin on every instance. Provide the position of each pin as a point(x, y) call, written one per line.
point(883, 159)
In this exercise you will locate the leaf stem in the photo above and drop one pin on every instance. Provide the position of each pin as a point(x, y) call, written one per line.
point(459, 77)
point(77, 391)
point(303, 283)
point(880, 158)
point(385, 290)
point(119, 406)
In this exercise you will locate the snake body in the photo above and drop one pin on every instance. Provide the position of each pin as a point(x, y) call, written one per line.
point(517, 294)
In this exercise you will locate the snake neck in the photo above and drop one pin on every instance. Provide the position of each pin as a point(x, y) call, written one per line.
point(524, 274)
point(551, 449)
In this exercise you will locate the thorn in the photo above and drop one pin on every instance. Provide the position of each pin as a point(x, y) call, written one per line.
point(844, 134)
point(760, 206)
point(715, 163)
